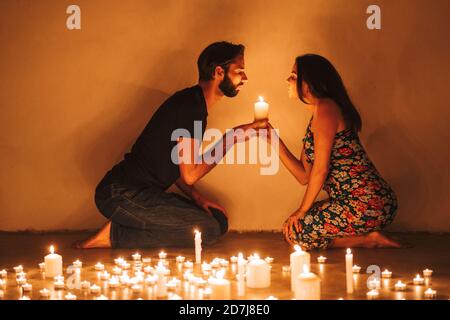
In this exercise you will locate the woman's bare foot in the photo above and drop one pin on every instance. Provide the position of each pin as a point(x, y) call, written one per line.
point(100, 240)
point(376, 239)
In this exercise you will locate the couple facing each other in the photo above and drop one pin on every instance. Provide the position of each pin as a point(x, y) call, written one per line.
point(132, 195)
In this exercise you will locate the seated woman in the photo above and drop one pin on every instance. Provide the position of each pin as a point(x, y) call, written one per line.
point(360, 202)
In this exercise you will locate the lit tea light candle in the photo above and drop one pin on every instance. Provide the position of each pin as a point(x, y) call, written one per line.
point(148, 269)
point(53, 264)
point(174, 296)
point(198, 246)
point(286, 269)
point(77, 264)
point(207, 292)
point(261, 109)
point(427, 273)
point(307, 285)
point(114, 282)
point(258, 273)
point(27, 287)
point(188, 264)
point(24, 298)
point(99, 267)
point(18, 269)
point(233, 259)
point(146, 260)
point(225, 263)
point(430, 293)
point(271, 298)
point(104, 276)
point(418, 280)
point(3, 273)
point(2, 283)
point(356, 269)
point(85, 285)
point(101, 297)
point(125, 266)
point(269, 260)
point(400, 286)
point(21, 275)
point(180, 259)
point(70, 296)
point(220, 287)
point(119, 261)
point(150, 280)
point(374, 284)
point(349, 271)
point(136, 257)
point(21, 281)
point(58, 285)
point(386, 274)
point(298, 259)
point(373, 294)
point(117, 271)
point(162, 255)
point(45, 293)
point(321, 259)
point(94, 289)
point(137, 288)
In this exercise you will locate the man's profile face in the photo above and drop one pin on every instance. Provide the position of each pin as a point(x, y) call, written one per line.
point(234, 78)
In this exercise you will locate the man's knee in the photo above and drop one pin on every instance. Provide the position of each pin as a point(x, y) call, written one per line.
point(221, 219)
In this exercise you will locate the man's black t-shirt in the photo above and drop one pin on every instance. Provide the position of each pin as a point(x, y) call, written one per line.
point(149, 162)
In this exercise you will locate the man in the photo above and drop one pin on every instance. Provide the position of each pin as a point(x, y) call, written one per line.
point(132, 194)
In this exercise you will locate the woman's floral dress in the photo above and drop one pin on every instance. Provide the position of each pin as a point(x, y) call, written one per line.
point(360, 200)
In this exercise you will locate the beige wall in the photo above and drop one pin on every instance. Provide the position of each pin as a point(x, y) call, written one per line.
point(72, 102)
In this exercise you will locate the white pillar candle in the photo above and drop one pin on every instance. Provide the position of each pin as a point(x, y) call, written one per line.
point(241, 274)
point(418, 280)
point(349, 271)
point(53, 264)
point(307, 285)
point(198, 246)
point(161, 289)
point(298, 259)
point(400, 286)
point(386, 274)
point(220, 287)
point(261, 109)
point(258, 273)
point(427, 273)
point(321, 259)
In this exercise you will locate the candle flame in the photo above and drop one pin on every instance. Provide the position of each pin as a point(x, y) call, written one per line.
point(261, 99)
point(297, 248)
point(349, 251)
point(52, 249)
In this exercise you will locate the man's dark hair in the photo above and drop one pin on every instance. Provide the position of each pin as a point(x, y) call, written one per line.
point(217, 54)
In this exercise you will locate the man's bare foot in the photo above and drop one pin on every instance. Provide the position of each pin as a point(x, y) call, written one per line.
point(100, 240)
point(376, 239)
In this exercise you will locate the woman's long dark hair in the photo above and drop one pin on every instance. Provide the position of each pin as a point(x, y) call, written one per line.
point(325, 82)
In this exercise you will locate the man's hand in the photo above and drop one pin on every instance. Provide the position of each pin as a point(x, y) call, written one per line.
point(205, 204)
point(246, 131)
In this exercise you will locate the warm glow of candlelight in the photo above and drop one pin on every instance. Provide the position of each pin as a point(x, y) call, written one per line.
point(52, 249)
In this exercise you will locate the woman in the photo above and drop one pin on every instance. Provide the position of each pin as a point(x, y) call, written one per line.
point(361, 203)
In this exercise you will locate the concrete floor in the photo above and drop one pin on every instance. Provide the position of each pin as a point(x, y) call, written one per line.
point(427, 251)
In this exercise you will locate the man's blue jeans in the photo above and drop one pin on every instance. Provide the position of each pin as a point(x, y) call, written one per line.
point(146, 216)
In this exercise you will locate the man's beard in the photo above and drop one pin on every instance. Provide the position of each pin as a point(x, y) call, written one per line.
point(228, 88)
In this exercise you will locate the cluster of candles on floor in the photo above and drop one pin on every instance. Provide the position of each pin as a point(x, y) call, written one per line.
point(250, 272)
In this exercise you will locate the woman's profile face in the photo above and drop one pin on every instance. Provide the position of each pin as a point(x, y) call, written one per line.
point(292, 83)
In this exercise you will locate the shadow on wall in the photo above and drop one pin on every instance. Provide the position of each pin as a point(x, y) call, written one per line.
point(104, 140)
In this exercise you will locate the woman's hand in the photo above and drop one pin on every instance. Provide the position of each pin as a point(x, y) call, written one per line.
point(205, 204)
point(291, 221)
